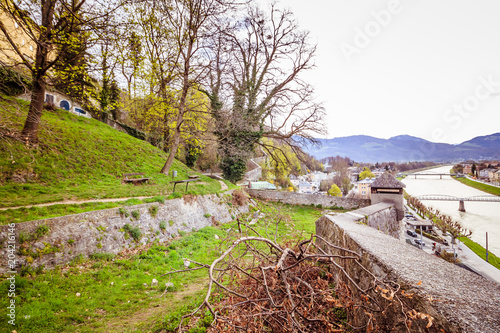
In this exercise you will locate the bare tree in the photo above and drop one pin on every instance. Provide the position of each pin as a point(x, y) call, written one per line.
point(258, 62)
point(189, 21)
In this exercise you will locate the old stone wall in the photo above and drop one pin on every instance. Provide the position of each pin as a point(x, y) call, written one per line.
point(103, 231)
point(455, 299)
point(381, 216)
point(308, 199)
point(396, 199)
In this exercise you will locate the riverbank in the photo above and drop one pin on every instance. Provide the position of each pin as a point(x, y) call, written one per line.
point(476, 259)
point(478, 185)
point(481, 252)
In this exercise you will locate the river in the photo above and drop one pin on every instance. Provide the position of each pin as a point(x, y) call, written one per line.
point(480, 217)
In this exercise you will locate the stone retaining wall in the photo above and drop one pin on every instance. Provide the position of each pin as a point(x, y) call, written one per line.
point(456, 299)
point(102, 231)
point(308, 199)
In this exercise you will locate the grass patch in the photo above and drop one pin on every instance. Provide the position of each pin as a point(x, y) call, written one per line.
point(79, 159)
point(111, 287)
point(481, 251)
point(480, 186)
point(45, 212)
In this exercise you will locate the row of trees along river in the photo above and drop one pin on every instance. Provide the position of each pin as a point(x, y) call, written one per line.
point(480, 217)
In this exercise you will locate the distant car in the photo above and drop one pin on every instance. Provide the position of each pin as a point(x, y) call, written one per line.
point(411, 233)
point(409, 215)
point(418, 241)
point(445, 242)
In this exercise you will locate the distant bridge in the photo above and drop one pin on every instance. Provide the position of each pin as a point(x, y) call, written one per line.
point(461, 205)
point(430, 173)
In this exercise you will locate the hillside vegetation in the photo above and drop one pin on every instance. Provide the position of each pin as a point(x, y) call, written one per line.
point(78, 158)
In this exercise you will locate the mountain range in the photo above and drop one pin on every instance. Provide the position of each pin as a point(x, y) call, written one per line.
point(405, 148)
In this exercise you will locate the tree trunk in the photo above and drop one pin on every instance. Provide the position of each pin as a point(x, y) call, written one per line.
point(173, 149)
point(31, 125)
point(177, 133)
point(182, 108)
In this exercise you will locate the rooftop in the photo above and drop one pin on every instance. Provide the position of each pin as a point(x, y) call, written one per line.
point(387, 181)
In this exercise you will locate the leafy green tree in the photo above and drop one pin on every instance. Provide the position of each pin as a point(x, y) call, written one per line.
point(50, 25)
point(335, 191)
point(71, 71)
point(366, 173)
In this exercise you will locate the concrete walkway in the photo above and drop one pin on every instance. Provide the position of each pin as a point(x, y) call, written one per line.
point(468, 257)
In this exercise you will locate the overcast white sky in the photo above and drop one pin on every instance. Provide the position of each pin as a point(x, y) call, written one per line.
point(431, 69)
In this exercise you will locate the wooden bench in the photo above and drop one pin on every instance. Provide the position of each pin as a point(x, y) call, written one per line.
point(135, 178)
point(187, 181)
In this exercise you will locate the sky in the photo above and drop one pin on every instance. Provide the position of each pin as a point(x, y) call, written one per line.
point(425, 68)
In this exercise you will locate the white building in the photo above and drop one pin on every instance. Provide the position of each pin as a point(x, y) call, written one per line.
point(305, 187)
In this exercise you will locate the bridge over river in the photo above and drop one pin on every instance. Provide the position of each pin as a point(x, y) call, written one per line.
point(461, 204)
point(430, 173)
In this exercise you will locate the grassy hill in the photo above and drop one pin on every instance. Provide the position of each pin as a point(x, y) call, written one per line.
point(78, 159)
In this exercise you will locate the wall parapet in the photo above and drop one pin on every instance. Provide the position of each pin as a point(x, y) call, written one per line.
point(308, 199)
point(457, 300)
point(103, 231)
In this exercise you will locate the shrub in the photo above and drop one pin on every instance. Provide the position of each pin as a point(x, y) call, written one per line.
point(153, 211)
point(239, 198)
point(136, 214)
point(134, 232)
point(13, 83)
point(171, 222)
point(23, 237)
point(207, 215)
point(42, 230)
point(163, 225)
point(123, 212)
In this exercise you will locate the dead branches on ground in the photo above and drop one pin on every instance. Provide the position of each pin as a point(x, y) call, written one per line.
point(258, 285)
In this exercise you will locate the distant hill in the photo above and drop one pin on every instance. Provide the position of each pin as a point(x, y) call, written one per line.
point(403, 148)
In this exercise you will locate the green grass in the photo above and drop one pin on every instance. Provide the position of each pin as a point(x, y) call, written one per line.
point(481, 251)
point(80, 159)
point(45, 212)
point(111, 287)
point(480, 186)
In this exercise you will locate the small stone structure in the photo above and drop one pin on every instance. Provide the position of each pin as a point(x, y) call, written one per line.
point(457, 300)
point(387, 188)
point(102, 231)
point(293, 198)
point(381, 216)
